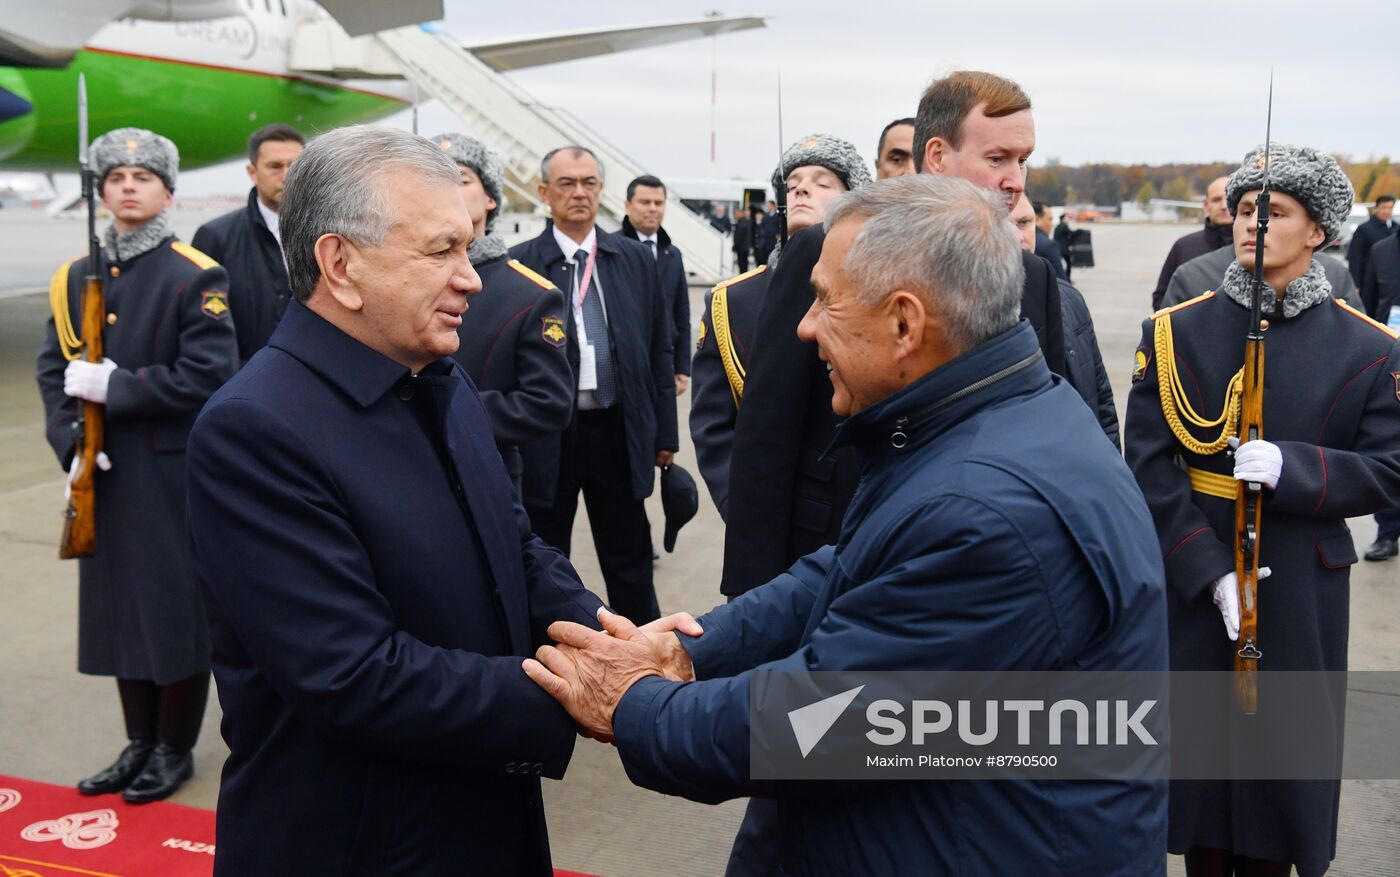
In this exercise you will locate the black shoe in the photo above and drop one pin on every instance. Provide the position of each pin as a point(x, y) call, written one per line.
point(122, 771)
point(1382, 549)
point(164, 774)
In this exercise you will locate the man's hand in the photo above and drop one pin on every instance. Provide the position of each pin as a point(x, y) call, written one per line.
point(1225, 593)
point(589, 672)
point(674, 659)
point(664, 458)
point(88, 380)
point(682, 384)
point(1257, 460)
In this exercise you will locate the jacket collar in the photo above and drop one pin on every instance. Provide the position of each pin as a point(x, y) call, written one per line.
point(360, 372)
point(663, 240)
point(254, 214)
point(1219, 235)
point(1008, 365)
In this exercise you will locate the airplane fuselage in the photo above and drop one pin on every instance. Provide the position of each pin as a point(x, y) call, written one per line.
point(204, 84)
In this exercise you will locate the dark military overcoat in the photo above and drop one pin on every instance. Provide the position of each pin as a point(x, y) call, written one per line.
point(169, 331)
point(513, 338)
point(1332, 405)
point(718, 376)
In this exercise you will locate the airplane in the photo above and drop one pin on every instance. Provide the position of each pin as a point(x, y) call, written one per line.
point(207, 73)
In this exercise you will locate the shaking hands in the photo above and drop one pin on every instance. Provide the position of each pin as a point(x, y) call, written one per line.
point(589, 671)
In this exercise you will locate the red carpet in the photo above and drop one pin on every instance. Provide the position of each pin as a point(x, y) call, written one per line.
point(52, 831)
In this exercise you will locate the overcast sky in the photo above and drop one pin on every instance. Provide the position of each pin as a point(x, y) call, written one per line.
point(1110, 81)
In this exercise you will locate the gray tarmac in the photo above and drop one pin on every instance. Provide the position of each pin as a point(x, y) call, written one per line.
point(57, 726)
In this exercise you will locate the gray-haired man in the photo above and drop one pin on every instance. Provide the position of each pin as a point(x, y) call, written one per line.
point(371, 577)
point(964, 551)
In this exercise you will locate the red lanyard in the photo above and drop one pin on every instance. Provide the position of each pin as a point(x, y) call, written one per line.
point(587, 273)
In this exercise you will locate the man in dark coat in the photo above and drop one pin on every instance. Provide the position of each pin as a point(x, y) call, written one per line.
point(787, 495)
point(1218, 233)
point(168, 344)
point(1045, 247)
point(767, 233)
point(964, 552)
point(371, 578)
point(1085, 370)
point(246, 241)
point(513, 334)
point(1380, 291)
point(1379, 226)
point(1204, 273)
point(742, 243)
point(1330, 418)
point(819, 168)
point(619, 345)
point(1062, 236)
point(646, 210)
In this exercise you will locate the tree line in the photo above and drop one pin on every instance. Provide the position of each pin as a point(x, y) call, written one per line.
point(1110, 184)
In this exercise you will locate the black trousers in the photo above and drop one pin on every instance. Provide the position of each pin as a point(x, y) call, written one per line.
point(593, 459)
point(741, 261)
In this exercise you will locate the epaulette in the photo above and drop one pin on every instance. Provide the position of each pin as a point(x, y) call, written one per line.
point(195, 256)
point(1208, 294)
point(1355, 313)
point(530, 275)
point(745, 276)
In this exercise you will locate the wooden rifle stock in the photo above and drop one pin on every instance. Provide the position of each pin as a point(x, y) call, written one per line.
point(80, 518)
point(1247, 517)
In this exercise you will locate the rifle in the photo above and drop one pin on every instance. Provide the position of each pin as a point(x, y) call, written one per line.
point(79, 519)
point(1251, 427)
point(780, 187)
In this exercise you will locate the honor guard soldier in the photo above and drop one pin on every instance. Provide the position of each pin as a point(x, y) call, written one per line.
point(1331, 412)
point(815, 169)
point(513, 333)
point(169, 343)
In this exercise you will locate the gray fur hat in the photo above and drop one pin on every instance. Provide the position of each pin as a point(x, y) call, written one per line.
point(136, 147)
point(473, 153)
point(832, 153)
point(1313, 177)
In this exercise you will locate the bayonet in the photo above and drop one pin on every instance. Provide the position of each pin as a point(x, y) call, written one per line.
point(780, 187)
point(1251, 428)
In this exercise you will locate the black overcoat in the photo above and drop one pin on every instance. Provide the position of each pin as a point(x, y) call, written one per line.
point(714, 407)
point(513, 337)
point(373, 585)
point(170, 333)
point(258, 288)
point(1332, 405)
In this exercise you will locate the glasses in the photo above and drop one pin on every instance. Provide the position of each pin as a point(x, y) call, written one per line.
point(588, 184)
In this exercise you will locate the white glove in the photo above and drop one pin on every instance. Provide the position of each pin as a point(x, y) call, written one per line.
point(88, 380)
point(1225, 593)
point(103, 462)
point(1259, 461)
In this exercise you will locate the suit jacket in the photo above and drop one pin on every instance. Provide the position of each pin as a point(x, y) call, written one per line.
point(639, 330)
point(1380, 289)
point(786, 492)
point(964, 551)
point(257, 277)
point(675, 290)
point(513, 338)
point(372, 584)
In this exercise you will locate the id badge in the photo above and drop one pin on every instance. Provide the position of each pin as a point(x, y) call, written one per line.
point(587, 368)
